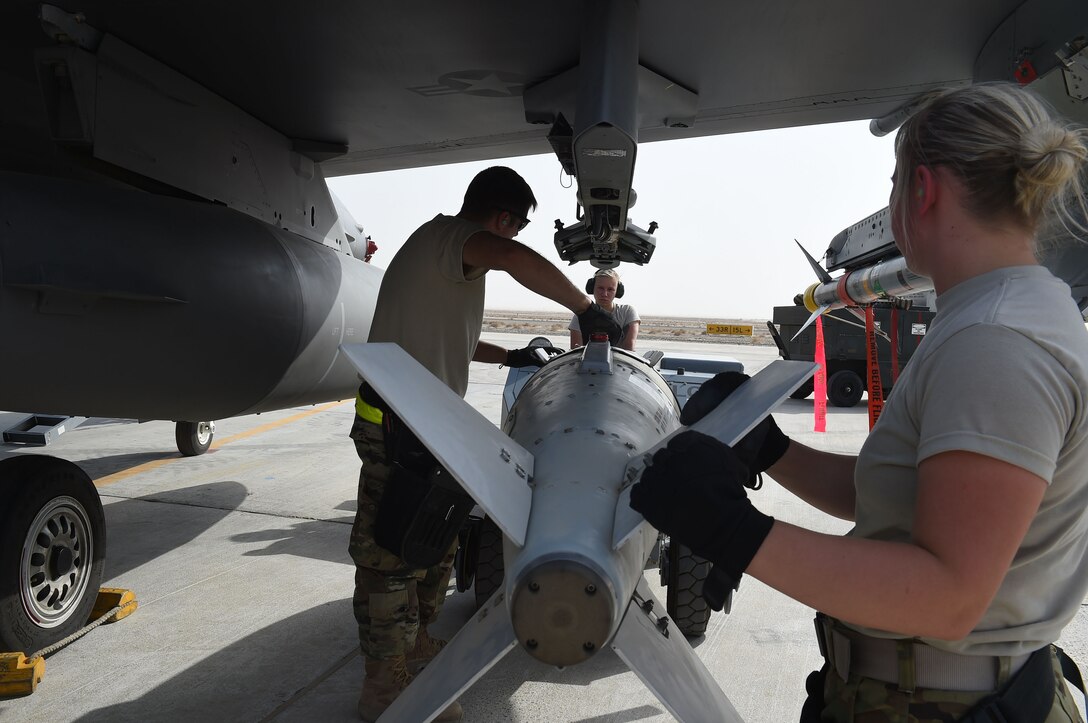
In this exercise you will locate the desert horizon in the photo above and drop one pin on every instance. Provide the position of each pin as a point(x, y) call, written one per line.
point(676, 328)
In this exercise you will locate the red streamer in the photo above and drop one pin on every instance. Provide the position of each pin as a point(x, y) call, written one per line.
point(819, 381)
point(876, 391)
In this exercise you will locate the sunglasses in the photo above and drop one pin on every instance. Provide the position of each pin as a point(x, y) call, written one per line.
point(522, 223)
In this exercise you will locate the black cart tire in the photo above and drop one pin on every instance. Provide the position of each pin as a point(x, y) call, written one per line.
point(194, 438)
point(489, 562)
point(684, 601)
point(52, 551)
point(803, 391)
point(844, 388)
point(468, 552)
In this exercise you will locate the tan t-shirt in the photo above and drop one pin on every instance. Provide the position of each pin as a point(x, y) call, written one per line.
point(428, 305)
point(1003, 372)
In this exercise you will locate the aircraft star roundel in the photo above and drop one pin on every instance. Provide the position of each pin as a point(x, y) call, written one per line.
point(486, 83)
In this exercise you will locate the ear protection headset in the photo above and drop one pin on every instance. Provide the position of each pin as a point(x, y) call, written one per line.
point(593, 282)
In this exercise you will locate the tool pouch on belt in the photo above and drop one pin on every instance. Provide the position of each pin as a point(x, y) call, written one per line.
point(1026, 698)
point(419, 516)
point(422, 507)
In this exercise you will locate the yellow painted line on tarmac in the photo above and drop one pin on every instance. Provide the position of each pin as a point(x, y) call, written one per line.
point(216, 444)
point(272, 425)
point(125, 473)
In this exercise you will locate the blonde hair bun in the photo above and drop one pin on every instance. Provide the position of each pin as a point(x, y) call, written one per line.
point(1050, 157)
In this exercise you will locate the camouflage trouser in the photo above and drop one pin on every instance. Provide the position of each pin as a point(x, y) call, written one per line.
point(864, 700)
point(391, 599)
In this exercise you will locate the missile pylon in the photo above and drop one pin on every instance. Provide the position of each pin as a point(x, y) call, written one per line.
point(556, 480)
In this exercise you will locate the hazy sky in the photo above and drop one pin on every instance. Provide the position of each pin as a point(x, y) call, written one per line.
point(728, 209)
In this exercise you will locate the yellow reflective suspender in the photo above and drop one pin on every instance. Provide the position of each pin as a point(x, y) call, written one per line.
point(367, 412)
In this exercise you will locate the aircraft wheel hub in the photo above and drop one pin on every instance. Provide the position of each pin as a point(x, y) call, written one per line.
point(56, 557)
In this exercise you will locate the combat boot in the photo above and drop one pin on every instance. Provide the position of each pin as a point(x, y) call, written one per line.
point(424, 651)
point(387, 679)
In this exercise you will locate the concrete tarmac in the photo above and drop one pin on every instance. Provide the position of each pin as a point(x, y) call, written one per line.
point(238, 560)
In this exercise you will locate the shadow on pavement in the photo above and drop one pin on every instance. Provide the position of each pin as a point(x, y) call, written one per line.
point(304, 668)
point(99, 467)
point(253, 677)
point(143, 528)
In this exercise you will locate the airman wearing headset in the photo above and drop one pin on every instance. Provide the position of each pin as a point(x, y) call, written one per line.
point(606, 287)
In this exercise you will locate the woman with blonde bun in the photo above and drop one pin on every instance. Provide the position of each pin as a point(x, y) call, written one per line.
point(969, 498)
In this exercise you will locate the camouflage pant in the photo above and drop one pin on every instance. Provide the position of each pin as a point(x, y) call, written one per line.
point(391, 599)
point(864, 700)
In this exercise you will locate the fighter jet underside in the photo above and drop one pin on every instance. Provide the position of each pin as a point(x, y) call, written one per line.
point(376, 86)
point(163, 198)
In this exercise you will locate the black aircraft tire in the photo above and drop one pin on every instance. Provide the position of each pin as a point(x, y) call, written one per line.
point(803, 391)
point(52, 551)
point(684, 596)
point(194, 438)
point(844, 388)
point(489, 562)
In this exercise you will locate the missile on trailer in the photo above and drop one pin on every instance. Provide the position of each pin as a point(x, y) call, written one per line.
point(889, 279)
point(556, 480)
point(874, 270)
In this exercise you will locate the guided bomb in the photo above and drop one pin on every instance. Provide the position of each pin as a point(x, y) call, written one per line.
point(556, 480)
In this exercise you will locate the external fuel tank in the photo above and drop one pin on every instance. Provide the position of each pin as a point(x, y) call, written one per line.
point(123, 303)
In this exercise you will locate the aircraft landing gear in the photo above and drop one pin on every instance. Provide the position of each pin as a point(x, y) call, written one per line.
point(52, 550)
point(194, 438)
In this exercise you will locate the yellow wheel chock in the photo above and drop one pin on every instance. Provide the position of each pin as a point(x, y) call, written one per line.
point(20, 675)
point(108, 599)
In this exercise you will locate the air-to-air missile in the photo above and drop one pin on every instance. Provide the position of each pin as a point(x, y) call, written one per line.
point(556, 480)
point(887, 279)
point(874, 270)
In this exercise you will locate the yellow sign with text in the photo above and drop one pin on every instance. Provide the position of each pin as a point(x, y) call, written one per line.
point(732, 329)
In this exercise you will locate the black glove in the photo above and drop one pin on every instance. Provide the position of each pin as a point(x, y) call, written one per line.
point(694, 493)
point(527, 357)
point(596, 319)
point(761, 447)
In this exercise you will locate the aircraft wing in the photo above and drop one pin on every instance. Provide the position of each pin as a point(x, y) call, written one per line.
point(140, 140)
point(374, 86)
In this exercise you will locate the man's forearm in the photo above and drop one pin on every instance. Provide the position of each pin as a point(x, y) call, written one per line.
point(485, 250)
point(537, 274)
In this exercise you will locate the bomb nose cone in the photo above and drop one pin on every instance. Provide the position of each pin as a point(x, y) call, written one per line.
point(561, 611)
